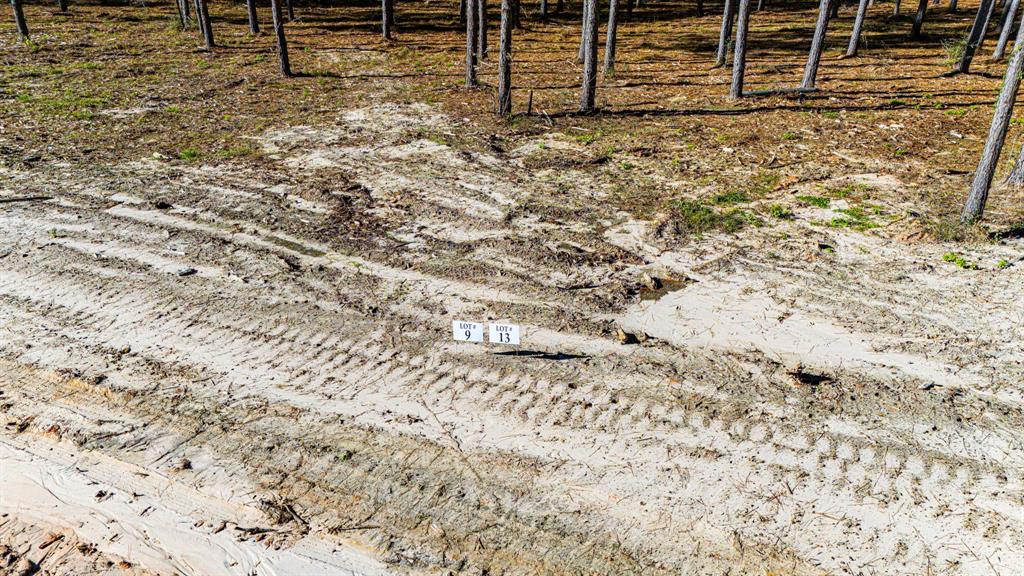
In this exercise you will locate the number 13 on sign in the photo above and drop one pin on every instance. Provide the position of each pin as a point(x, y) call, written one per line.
point(504, 334)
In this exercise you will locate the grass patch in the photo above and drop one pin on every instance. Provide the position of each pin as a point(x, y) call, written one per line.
point(819, 201)
point(731, 198)
point(781, 212)
point(692, 217)
point(189, 154)
point(960, 261)
point(854, 218)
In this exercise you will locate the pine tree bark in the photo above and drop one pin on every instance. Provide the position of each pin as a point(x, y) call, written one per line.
point(471, 24)
point(728, 10)
point(179, 6)
point(386, 6)
point(817, 46)
point(739, 61)
point(583, 32)
point(976, 36)
point(254, 20)
point(186, 12)
point(609, 41)
point(204, 21)
point(1009, 16)
point(19, 20)
point(282, 43)
point(858, 24)
point(590, 30)
point(976, 198)
point(505, 60)
point(915, 30)
point(481, 35)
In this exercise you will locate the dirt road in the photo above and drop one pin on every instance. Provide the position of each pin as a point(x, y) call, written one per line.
point(209, 368)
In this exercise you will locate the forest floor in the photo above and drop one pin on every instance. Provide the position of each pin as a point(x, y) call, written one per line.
point(754, 339)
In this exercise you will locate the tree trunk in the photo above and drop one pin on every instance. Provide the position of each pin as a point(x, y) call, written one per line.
point(583, 32)
point(760, 5)
point(1009, 16)
point(186, 12)
point(996, 135)
point(700, 8)
point(462, 12)
point(204, 19)
point(1016, 176)
point(609, 41)
point(517, 22)
point(471, 23)
point(915, 30)
point(1000, 46)
point(896, 8)
point(386, 6)
point(481, 34)
point(587, 94)
point(19, 20)
point(976, 36)
point(254, 21)
point(817, 45)
point(179, 6)
point(291, 11)
point(560, 6)
point(728, 10)
point(542, 10)
point(739, 61)
point(282, 43)
point(62, 5)
point(952, 5)
point(858, 24)
point(834, 11)
point(505, 60)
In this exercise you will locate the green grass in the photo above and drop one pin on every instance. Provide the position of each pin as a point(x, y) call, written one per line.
point(780, 212)
point(819, 201)
point(693, 217)
point(854, 218)
point(731, 198)
point(189, 154)
point(960, 261)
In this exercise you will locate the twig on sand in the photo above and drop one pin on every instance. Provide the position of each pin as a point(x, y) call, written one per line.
point(13, 199)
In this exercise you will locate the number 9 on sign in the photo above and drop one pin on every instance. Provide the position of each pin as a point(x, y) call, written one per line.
point(467, 331)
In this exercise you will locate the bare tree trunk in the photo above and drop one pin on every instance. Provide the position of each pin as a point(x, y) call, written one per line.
point(1009, 16)
point(817, 45)
point(179, 6)
point(609, 41)
point(700, 8)
point(254, 20)
point(739, 61)
point(462, 12)
point(185, 12)
point(583, 32)
point(481, 35)
point(976, 35)
point(19, 20)
point(896, 8)
point(542, 10)
point(282, 43)
point(728, 11)
point(834, 10)
point(386, 6)
point(471, 24)
point(1016, 176)
point(952, 5)
point(517, 22)
point(760, 5)
point(915, 30)
point(62, 5)
point(204, 21)
point(858, 24)
point(975, 205)
point(560, 6)
point(291, 11)
point(505, 60)
point(588, 93)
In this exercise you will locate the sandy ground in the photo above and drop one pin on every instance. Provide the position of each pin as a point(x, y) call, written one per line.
point(213, 370)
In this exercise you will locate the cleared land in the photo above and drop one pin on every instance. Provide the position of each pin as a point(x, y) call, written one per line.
point(225, 317)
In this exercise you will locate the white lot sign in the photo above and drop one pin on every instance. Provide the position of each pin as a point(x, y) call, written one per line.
point(467, 331)
point(504, 334)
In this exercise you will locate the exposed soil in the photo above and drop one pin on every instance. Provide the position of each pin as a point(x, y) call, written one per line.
point(750, 342)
